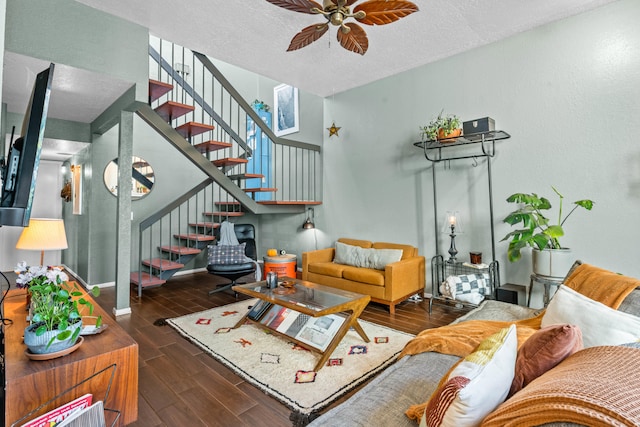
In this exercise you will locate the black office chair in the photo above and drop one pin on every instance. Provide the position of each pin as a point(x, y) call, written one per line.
point(245, 234)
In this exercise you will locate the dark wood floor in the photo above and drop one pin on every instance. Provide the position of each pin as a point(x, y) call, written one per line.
point(179, 385)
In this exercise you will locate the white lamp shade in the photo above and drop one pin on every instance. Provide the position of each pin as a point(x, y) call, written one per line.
point(43, 234)
point(452, 218)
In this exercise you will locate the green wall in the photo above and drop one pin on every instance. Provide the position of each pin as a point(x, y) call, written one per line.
point(567, 93)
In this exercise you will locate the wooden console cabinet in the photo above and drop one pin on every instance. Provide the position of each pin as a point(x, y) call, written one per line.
point(105, 365)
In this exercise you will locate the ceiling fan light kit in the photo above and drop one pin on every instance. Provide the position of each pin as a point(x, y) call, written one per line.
point(350, 35)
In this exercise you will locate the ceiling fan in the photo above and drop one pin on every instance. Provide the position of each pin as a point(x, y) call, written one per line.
point(351, 36)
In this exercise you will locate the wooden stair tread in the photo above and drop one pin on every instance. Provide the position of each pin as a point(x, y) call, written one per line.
point(180, 250)
point(208, 146)
point(171, 110)
point(189, 129)
point(245, 176)
point(195, 237)
point(205, 224)
point(288, 202)
point(229, 161)
point(233, 213)
point(147, 280)
point(162, 264)
point(157, 89)
point(259, 190)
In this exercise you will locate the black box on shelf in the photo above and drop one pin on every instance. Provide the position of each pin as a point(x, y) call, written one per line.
point(485, 124)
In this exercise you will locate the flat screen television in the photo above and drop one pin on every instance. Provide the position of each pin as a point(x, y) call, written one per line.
point(20, 170)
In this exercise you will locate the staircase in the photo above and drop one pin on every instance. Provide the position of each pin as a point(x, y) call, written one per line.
point(218, 127)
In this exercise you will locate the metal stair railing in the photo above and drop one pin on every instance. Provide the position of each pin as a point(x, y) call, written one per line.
point(295, 168)
point(158, 229)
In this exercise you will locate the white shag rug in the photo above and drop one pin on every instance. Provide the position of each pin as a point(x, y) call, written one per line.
point(284, 370)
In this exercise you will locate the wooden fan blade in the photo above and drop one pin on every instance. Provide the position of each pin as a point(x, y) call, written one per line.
point(302, 6)
point(355, 40)
point(351, 2)
point(381, 12)
point(307, 36)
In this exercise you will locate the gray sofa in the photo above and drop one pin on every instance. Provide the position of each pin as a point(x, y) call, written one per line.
point(413, 379)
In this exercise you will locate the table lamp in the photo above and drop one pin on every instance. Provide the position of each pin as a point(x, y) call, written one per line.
point(452, 224)
point(43, 234)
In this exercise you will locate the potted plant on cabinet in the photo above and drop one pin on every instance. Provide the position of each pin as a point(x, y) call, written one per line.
point(442, 128)
point(56, 305)
point(539, 233)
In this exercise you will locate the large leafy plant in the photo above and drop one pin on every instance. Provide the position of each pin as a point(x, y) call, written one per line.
point(537, 231)
point(56, 304)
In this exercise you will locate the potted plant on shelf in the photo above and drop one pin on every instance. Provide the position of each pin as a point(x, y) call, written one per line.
point(539, 233)
point(56, 305)
point(443, 128)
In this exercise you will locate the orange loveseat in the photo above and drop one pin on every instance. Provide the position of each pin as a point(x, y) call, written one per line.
point(397, 282)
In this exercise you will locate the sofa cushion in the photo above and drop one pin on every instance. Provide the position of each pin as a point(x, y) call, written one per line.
point(408, 251)
point(363, 275)
point(477, 385)
point(542, 351)
point(327, 268)
point(365, 257)
point(600, 325)
point(383, 400)
point(355, 242)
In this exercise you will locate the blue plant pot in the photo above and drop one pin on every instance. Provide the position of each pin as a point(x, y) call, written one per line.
point(39, 344)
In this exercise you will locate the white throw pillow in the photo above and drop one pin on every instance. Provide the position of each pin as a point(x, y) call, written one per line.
point(367, 258)
point(477, 385)
point(600, 325)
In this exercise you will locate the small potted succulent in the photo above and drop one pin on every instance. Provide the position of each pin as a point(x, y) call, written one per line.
point(539, 233)
point(442, 128)
point(56, 305)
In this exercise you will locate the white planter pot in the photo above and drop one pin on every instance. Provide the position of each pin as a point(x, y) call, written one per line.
point(552, 263)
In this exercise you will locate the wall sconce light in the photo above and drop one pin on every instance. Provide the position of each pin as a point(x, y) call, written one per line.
point(308, 223)
point(452, 224)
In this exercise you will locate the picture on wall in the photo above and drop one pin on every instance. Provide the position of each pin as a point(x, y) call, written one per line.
point(285, 101)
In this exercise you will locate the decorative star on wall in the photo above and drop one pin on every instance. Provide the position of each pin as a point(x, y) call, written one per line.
point(333, 130)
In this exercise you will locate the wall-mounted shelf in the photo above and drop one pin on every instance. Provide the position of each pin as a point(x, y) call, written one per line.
point(439, 150)
point(463, 147)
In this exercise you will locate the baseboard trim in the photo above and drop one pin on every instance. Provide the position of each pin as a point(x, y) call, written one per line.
point(121, 311)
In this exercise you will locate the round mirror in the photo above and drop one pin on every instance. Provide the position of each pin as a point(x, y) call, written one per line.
point(141, 177)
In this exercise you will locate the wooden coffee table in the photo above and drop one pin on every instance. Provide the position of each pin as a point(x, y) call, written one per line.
point(312, 308)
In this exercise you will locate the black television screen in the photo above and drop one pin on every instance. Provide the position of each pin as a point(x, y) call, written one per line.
point(20, 170)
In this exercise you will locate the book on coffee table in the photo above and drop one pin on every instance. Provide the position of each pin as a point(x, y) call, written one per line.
point(319, 331)
point(258, 310)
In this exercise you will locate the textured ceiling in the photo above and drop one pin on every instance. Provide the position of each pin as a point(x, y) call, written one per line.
point(76, 95)
point(254, 35)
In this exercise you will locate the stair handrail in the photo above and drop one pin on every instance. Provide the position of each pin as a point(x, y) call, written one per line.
point(175, 75)
point(248, 109)
point(154, 217)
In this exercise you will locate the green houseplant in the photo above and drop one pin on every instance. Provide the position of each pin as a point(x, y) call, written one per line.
point(56, 310)
point(537, 231)
point(443, 126)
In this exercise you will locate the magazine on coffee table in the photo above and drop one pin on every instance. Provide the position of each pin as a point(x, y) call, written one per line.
point(319, 331)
